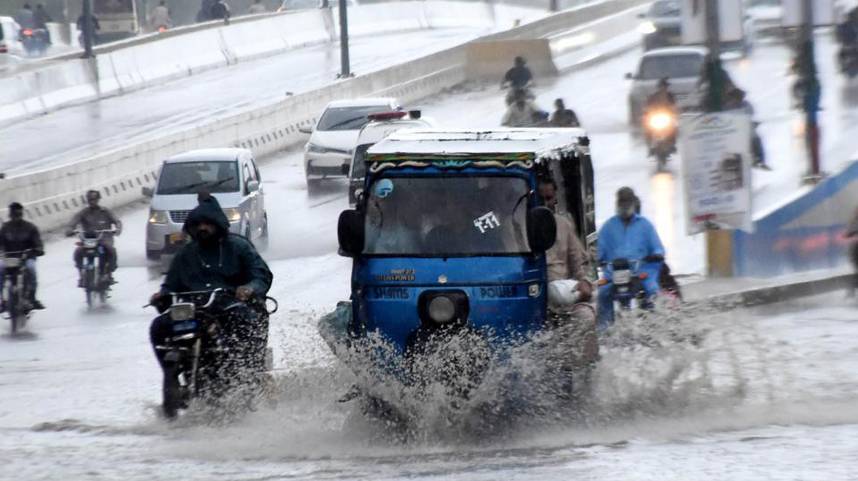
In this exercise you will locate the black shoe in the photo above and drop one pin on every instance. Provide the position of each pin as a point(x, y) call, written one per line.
point(37, 305)
point(2, 307)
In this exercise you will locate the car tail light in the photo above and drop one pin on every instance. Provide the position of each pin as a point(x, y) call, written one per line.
point(28, 32)
point(643, 275)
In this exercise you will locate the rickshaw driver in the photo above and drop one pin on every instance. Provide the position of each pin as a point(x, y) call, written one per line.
point(567, 260)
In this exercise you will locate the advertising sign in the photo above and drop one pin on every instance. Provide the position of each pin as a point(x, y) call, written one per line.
point(731, 18)
point(716, 167)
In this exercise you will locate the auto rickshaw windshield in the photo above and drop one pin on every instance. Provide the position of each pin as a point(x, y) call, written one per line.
point(447, 216)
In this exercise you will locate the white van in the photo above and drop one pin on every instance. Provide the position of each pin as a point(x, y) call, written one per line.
point(230, 175)
point(379, 127)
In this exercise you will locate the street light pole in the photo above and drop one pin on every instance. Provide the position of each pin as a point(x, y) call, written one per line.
point(714, 70)
point(87, 29)
point(345, 69)
point(812, 91)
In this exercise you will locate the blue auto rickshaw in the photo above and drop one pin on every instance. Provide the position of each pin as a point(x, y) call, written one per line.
point(449, 235)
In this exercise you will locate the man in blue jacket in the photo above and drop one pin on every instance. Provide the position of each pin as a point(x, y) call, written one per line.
point(628, 235)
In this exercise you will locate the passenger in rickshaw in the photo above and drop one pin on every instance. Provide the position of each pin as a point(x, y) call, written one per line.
point(570, 291)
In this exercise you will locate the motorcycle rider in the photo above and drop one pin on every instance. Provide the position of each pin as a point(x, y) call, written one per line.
point(18, 235)
point(520, 113)
point(90, 219)
point(661, 99)
point(41, 18)
point(25, 18)
point(563, 117)
point(631, 236)
point(736, 99)
point(215, 258)
point(519, 76)
point(160, 17)
point(847, 35)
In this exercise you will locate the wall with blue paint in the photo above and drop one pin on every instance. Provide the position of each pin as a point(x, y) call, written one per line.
point(805, 234)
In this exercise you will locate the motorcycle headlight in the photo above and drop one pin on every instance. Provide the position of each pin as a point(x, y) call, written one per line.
point(158, 217)
point(659, 121)
point(318, 149)
point(232, 214)
point(442, 309)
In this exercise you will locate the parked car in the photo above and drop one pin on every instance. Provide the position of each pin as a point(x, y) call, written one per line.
point(332, 140)
point(230, 175)
point(682, 66)
point(379, 127)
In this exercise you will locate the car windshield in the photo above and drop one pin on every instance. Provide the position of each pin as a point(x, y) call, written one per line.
point(664, 9)
point(348, 118)
point(194, 177)
point(447, 216)
point(670, 66)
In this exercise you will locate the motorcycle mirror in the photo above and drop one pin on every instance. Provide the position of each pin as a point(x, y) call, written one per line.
point(541, 229)
point(350, 232)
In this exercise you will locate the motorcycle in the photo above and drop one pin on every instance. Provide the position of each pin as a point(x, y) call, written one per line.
point(35, 41)
point(96, 279)
point(626, 278)
point(15, 289)
point(197, 362)
point(660, 128)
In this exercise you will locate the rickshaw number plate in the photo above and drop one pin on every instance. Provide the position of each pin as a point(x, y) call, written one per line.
point(12, 262)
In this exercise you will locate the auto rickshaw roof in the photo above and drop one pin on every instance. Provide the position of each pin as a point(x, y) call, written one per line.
point(501, 145)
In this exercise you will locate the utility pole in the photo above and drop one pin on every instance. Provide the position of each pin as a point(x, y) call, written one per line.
point(345, 69)
point(812, 91)
point(553, 5)
point(88, 29)
point(719, 254)
point(714, 71)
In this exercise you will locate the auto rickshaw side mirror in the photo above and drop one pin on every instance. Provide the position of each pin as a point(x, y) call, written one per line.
point(629, 76)
point(541, 229)
point(350, 232)
point(147, 192)
point(346, 168)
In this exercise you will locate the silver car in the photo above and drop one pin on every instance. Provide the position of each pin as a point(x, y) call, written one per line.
point(230, 175)
point(682, 67)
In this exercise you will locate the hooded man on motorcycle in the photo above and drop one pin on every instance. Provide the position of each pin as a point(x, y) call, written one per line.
point(213, 259)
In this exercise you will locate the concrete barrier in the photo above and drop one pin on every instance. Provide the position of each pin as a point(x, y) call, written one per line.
point(51, 195)
point(807, 233)
point(490, 59)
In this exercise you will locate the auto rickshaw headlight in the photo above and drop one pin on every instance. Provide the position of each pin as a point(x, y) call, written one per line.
point(442, 309)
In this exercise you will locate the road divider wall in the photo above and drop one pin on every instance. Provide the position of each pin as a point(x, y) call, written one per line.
point(50, 196)
point(807, 233)
point(155, 58)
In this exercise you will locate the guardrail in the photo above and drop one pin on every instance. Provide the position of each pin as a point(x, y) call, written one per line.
point(51, 195)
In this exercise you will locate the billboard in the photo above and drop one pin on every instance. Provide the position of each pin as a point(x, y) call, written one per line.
point(716, 170)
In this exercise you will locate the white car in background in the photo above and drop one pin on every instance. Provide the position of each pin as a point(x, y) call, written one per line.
point(766, 15)
point(332, 141)
point(11, 49)
point(682, 67)
point(229, 175)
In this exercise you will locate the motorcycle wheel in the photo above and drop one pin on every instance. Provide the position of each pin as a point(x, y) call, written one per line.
point(12, 308)
point(172, 392)
point(89, 285)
